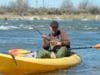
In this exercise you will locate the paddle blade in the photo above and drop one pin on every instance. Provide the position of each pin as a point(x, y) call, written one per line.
point(18, 52)
point(97, 46)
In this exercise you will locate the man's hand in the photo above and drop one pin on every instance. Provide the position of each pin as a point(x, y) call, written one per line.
point(45, 37)
point(55, 43)
point(59, 44)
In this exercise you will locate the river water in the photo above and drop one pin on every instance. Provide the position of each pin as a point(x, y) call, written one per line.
point(21, 34)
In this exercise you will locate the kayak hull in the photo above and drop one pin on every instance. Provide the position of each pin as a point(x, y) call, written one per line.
point(25, 65)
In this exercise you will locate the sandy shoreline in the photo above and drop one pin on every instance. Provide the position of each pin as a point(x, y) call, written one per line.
point(52, 17)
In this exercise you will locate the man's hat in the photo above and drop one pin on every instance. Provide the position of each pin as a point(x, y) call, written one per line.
point(54, 24)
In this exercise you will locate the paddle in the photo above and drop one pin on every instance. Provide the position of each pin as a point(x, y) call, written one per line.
point(97, 46)
point(21, 52)
point(18, 52)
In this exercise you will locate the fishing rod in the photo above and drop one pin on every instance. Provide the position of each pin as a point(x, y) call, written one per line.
point(12, 55)
point(34, 27)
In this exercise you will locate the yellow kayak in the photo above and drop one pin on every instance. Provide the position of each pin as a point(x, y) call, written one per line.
point(26, 65)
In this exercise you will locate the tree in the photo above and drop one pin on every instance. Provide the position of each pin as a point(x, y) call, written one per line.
point(67, 6)
point(19, 6)
point(93, 9)
point(83, 5)
point(86, 7)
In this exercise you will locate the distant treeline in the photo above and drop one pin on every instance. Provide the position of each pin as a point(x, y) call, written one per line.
point(21, 7)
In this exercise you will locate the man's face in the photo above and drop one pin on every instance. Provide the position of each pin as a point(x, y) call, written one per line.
point(53, 29)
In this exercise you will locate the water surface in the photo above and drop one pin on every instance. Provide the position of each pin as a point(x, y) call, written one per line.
point(21, 34)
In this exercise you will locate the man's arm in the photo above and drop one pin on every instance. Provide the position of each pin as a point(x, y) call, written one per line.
point(65, 41)
point(45, 42)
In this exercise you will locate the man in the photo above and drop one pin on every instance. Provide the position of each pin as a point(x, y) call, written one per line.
point(56, 44)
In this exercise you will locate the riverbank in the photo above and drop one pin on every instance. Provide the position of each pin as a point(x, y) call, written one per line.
point(51, 17)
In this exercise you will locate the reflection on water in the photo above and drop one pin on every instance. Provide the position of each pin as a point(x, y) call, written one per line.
point(60, 72)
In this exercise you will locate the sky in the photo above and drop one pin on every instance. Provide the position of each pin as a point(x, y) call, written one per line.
point(49, 3)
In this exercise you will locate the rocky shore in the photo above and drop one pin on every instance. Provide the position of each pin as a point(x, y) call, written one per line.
point(51, 17)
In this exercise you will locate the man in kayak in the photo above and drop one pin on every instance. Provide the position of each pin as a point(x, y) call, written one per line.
point(56, 44)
